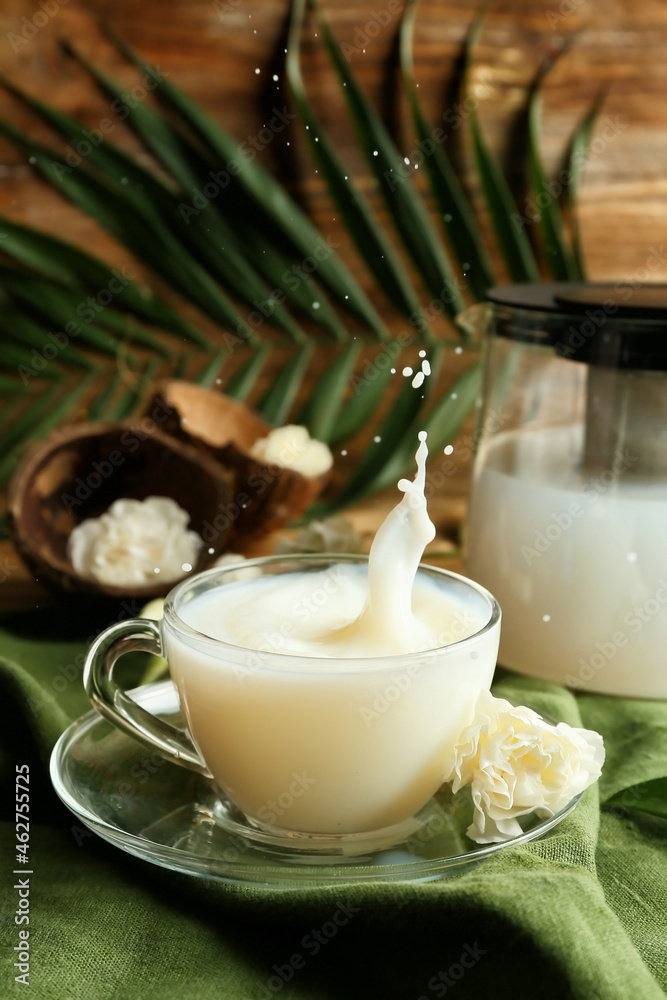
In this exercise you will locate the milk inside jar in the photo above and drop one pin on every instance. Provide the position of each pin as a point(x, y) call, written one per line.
point(567, 521)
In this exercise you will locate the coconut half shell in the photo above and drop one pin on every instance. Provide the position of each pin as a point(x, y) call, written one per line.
point(265, 497)
point(78, 471)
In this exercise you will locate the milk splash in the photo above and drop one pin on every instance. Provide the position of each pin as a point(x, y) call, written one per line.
point(387, 619)
point(384, 608)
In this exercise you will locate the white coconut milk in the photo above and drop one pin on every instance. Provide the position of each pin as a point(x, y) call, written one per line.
point(578, 565)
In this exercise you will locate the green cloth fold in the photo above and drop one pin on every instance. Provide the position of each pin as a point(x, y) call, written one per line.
point(580, 913)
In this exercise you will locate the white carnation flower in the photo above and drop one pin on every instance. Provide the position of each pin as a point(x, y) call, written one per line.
point(135, 543)
point(293, 448)
point(516, 763)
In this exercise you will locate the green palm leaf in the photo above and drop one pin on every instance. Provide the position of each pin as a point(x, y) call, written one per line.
point(68, 265)
point(134, 225)
point(576, 163)
point(559, 260)
point(247, 250)
point(456, 213)
point(227, 243)
point(277, 403)
point(320, 414)
point(512, 240)
point(375, 250)
point(269, 199)
point(214, 244)
point(402, 200)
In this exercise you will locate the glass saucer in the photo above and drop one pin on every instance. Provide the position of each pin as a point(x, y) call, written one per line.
point(165, 814)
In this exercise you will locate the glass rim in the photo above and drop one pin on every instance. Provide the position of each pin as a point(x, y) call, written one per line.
point(282, 659)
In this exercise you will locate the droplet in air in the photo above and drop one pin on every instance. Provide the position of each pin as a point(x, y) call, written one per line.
point(343, 452)
point(449, 449)
point(275, 77)
point(257, 71)
point(377, 438)
point(406, 160)
point(316, 305)
point(426, 367)
point(455, 395)
point(422, 354)
point(458, 350)
point(375, 152)
point(407, 371)
point(211, 551)
point(418, 380)
point(546, 618)
point(186, 567)
point(157, 569)
point(393, 371)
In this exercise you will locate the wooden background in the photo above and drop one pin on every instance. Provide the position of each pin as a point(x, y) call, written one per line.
point(213, 49)
point(226, 53)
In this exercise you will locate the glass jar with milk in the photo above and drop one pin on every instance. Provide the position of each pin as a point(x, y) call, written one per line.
point(567, 521)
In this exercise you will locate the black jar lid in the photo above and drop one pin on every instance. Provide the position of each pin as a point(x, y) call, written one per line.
point(616, 325)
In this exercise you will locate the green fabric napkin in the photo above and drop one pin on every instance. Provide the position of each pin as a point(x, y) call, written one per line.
point(580, 913)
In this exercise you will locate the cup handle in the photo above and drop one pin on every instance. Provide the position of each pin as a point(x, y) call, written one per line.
point(121, 710)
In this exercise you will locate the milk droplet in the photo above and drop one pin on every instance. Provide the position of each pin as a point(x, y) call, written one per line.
point(458, 350)
point(377, 438)
point(546, 618)
point(418, 380)
point(406, 160)
point(211, 551)
point(407, 371)
point(455, 395)
point(375, 152)
point(316, 305)
point(393, 371)
point(275, 77)
point(257, 70)
point(343, 452)
point(448, 449)
point(422, 354)
point(157, 569)
point(426, 367)
point(186, 567)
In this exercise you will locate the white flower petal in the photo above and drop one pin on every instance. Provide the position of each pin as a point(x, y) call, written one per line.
point(292, 448)
point(134, 538)
point(516, 763)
